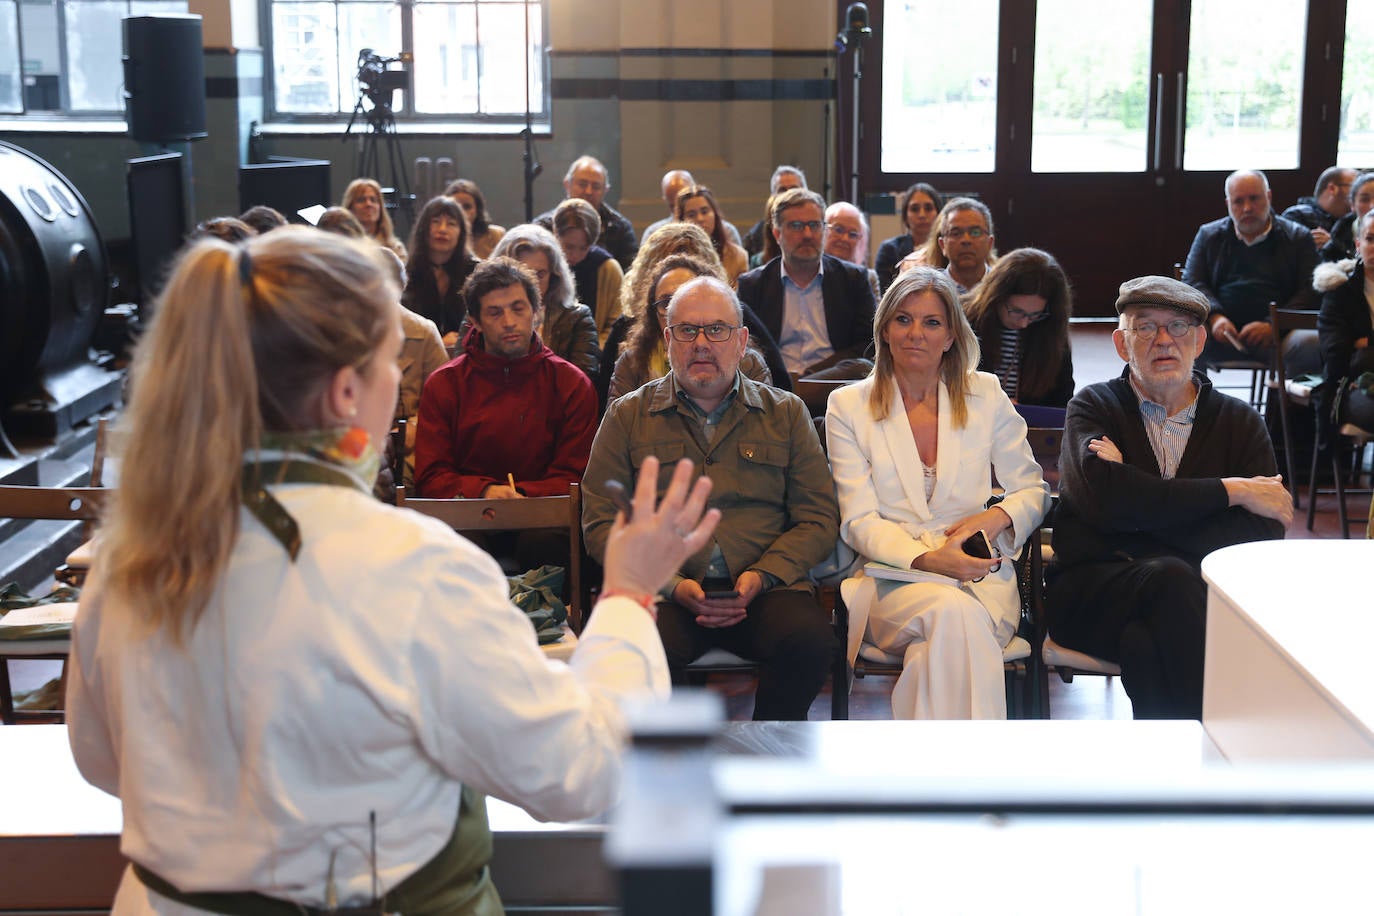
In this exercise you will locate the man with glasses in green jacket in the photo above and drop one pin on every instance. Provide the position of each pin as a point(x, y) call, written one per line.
point(747, 591)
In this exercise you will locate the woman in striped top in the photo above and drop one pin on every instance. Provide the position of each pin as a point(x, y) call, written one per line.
point(1020, 313)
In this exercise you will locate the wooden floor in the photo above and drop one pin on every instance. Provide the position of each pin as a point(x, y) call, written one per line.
point(1086, 698)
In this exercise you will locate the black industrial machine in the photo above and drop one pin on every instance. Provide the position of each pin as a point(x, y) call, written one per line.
point(54, 286)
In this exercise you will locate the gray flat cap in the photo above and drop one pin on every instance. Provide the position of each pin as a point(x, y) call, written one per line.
point(1163, 292)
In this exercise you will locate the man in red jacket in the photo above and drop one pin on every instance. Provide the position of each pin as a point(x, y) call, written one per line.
point(506, 409)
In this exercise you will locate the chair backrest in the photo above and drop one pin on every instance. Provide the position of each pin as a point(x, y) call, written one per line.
point(561, 513)
point(1046, 444)
point(1282, 321)
point(75, 504)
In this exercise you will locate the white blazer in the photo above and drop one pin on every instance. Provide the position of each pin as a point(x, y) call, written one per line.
point(884, 514)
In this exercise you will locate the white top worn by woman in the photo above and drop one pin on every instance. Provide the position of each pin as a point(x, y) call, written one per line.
point(312, 693)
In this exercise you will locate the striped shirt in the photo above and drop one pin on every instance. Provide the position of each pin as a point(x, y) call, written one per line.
point(1009, 367)
point(1168, 435)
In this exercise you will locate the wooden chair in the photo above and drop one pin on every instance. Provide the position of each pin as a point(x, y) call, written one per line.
point(102, 447)
point(485, 516)
point(69, 504)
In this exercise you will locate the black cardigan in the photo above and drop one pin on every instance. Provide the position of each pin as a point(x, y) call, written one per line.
point(1109, 510)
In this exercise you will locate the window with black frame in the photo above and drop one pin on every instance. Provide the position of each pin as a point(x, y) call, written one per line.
point(470, 60)
point(57, 56)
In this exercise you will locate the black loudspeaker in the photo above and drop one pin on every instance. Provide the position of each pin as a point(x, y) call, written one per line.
point(164, 78)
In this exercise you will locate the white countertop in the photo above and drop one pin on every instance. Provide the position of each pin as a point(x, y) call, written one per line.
point(1314, 602)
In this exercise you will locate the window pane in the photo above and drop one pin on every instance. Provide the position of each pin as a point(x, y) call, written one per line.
point(939, 93)
point(1356, 149)
point(11, 93)
point(42, 64)
point(1244, 84)
point(446, 57)
point(95, 74)
point(502, 89)
point(1092, 87)
point(367, 25)
point(305, 74)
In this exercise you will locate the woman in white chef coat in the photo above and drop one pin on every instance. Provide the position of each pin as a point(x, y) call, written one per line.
point(301, 694)
point(914, 448)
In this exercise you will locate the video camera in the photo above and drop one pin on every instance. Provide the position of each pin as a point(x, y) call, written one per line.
point(379, 79)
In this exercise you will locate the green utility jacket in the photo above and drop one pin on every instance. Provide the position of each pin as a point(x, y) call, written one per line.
point(771, 480)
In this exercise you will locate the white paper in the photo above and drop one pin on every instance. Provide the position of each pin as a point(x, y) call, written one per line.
point(61, 612)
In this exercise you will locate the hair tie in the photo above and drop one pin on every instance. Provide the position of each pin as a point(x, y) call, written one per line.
point(245, 267)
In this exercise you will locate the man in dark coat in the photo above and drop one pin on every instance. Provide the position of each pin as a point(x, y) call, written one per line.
point(1157, 471)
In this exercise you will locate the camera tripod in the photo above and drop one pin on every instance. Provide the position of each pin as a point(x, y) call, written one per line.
point(381, 123)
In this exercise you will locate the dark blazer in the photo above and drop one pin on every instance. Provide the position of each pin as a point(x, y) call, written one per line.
point(1344, 319)
point(848, 299)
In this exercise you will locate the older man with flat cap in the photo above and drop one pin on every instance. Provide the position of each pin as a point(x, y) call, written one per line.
point(1158, 470)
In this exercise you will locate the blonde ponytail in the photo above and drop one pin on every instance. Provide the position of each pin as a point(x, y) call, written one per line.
point(243, 341)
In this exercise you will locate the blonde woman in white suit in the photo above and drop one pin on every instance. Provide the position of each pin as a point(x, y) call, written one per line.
point(914, 448)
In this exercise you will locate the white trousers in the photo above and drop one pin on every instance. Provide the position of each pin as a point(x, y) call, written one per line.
point(951, 652)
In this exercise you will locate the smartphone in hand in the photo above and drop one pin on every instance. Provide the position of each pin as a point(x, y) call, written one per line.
point(978, 545)
point(718, 593)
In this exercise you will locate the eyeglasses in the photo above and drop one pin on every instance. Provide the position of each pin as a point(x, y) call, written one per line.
point(716, 333)
point(841, 231)
point(583, 184)
point(662, 304)
point(797, 225)
point(1017, 314)
point(1179, 327)
point(957, 232)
